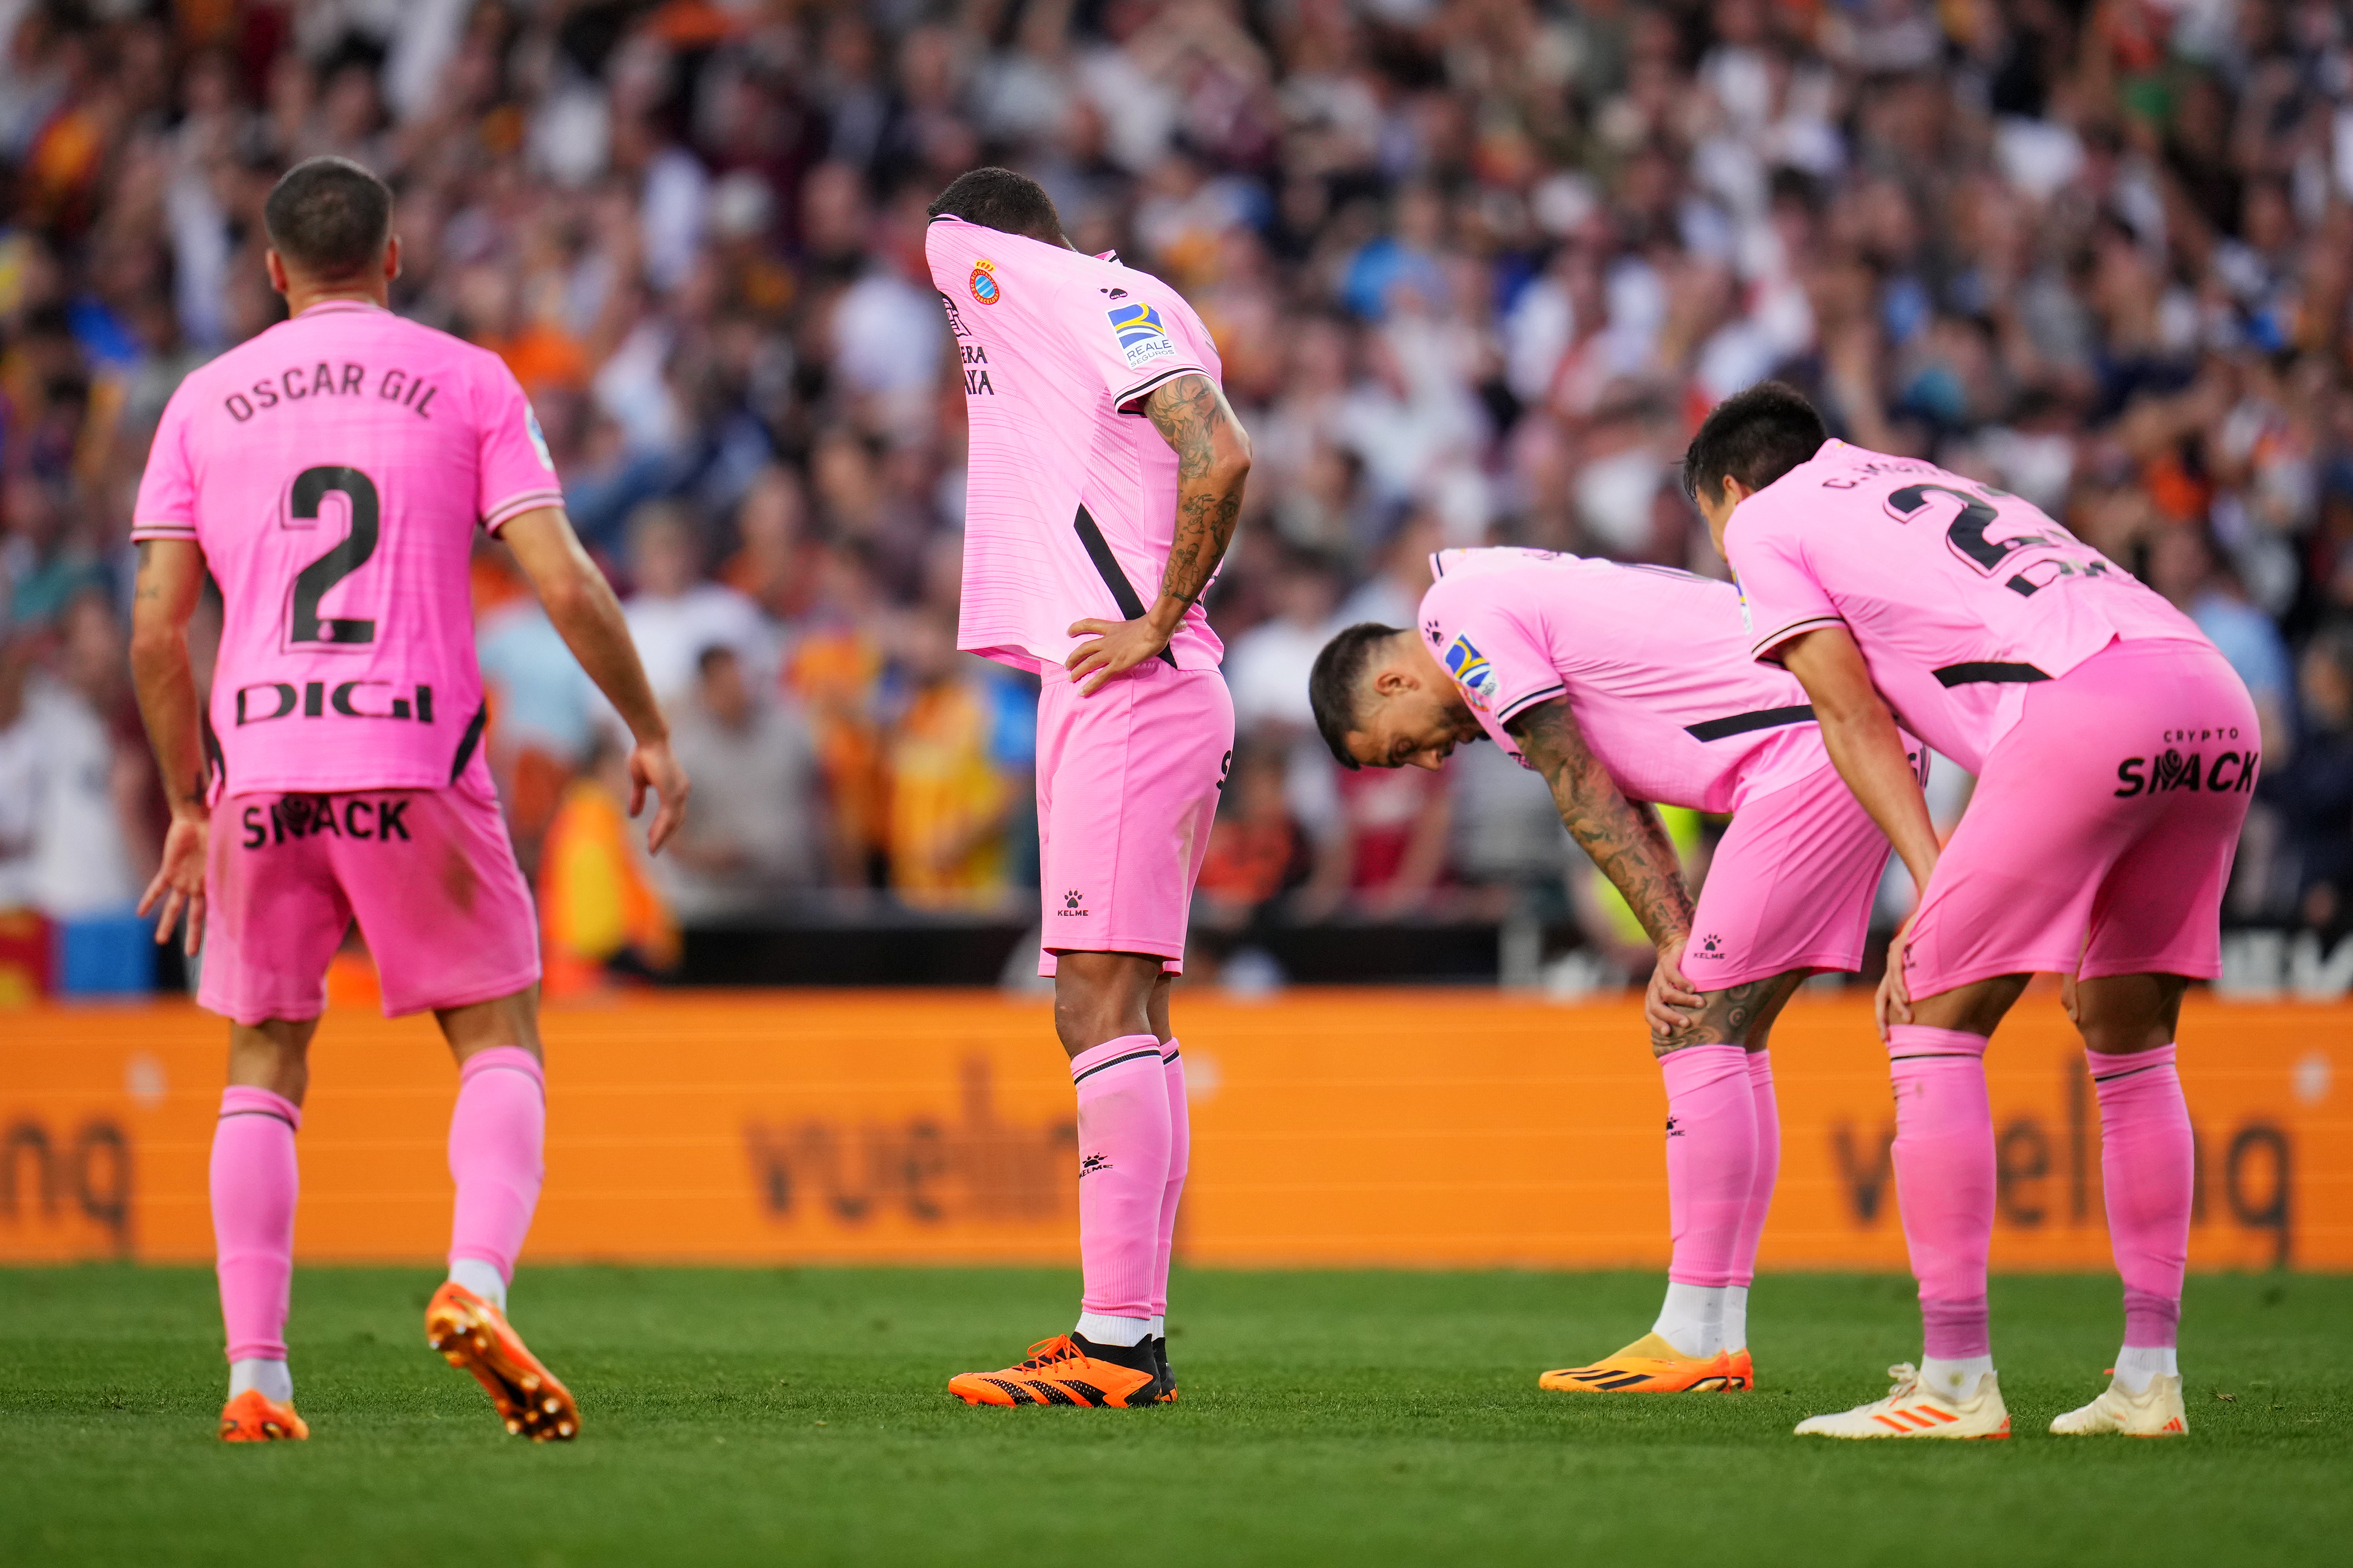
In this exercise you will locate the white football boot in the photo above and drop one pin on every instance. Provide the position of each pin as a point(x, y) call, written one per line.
point(2154, 1411)
point(1913, 1409)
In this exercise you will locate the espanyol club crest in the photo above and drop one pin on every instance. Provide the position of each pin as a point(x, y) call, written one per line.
point(984, 283)
point(1471, 671)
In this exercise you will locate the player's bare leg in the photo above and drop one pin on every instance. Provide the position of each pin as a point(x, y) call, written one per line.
point(496, 1135)
point(1110, 1012)
point(254, 1182)
point(1723, 1153)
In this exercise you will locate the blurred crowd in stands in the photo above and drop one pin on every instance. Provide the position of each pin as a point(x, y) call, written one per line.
point(1475, 268)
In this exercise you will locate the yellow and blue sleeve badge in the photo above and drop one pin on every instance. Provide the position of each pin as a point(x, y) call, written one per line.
point(1470, 671)
point(1142, 335)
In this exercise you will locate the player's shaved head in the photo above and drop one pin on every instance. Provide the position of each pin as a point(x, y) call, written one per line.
point(329, 219)
point(1001, 199)
point(1337, 687)
point(1754, 436)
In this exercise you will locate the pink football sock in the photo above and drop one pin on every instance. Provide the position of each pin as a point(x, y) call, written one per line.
point(1766, 1170)
point(254, 1180)
point(1124, 1138)
point(1944, 1181)
point(1711, 1159)
point(1180, 1158)
point(496, 1134)
point(2146, 1157)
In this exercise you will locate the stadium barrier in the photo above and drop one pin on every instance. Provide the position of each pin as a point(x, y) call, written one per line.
point(1351, 1127)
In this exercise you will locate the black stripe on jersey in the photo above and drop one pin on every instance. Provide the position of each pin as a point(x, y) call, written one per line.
point(1741, 723)
point(1988, 672)
point(473, 738)
point(1122, 593)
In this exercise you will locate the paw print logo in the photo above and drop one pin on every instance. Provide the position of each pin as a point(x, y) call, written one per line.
point(1071, 900)
point(1093, 1163)
point(1711, 945)
point(1429, 629)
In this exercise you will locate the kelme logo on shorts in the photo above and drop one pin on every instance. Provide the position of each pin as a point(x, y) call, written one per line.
point(1070, 903)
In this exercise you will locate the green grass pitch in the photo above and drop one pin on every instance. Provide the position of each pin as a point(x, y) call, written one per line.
point(798, 1417)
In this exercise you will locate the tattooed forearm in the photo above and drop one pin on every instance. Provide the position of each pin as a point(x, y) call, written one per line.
point(1212, 462)
point(1625, 840)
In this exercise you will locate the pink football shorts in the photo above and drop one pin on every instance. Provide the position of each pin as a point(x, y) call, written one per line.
point(1127, 786)
point(429, 874)
point(1790, 884)
point(2100, 837)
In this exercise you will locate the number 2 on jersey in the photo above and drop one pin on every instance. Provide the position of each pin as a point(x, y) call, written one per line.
point(1968, 537)
point(305, 627)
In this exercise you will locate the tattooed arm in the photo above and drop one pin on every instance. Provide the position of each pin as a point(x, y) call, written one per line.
point(171, 576)
point(1213, 460)
point(1627, 841)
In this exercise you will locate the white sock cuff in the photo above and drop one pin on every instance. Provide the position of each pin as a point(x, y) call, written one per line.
point(1106, 1330)
point(481, 1276)
point(272, 1379)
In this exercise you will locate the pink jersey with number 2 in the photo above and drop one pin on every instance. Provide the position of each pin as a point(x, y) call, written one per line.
point(333, 470)
point(1960, 596)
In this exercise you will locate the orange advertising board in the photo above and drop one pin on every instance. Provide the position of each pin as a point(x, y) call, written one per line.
point(1418, 1128)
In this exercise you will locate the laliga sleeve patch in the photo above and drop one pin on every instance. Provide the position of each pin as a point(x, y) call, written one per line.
point(983, 283)
point(1471, 671)
point(1141, 336)
point(538, 437)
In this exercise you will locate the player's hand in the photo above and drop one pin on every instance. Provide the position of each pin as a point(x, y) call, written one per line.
point(179, 884)
point(1892, 1005)
point(652, 767)
point(1669, 1000)
point(1119, 647)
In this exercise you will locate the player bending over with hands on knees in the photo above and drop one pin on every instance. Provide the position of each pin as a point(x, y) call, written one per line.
point(1622, 686)
point(330, 474)
point(2115, 752)
point(1103, 454)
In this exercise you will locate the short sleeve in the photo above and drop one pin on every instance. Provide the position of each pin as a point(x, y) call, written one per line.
point(1497, 659)
point(515, 473)
point(1133, 339)
point(1779, 598)
point(166, 508)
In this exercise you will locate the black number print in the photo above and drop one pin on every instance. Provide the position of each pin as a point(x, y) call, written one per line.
point(304, 625)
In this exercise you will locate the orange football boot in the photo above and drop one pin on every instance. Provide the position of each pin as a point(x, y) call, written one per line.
point(1060, 1372)
point(253, 1418)
point(1742, 1373)
point(1648, 1365)
point(472, 1334)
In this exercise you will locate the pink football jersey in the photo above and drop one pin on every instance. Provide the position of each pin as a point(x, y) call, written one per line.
point(1650, 660)
point(1959, 595)
point(333, 470)
point(1069, 493)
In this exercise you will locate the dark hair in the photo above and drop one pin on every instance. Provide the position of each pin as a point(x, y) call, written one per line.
point(714, 654)
point(1755, 437)
point(1000, 199)
point(1335, 685)
point(329, 218)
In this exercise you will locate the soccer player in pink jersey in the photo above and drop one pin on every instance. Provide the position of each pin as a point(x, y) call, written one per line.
point(1624, 686)
point(1106, 465)
point(2115, 752)
point(330, 474)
